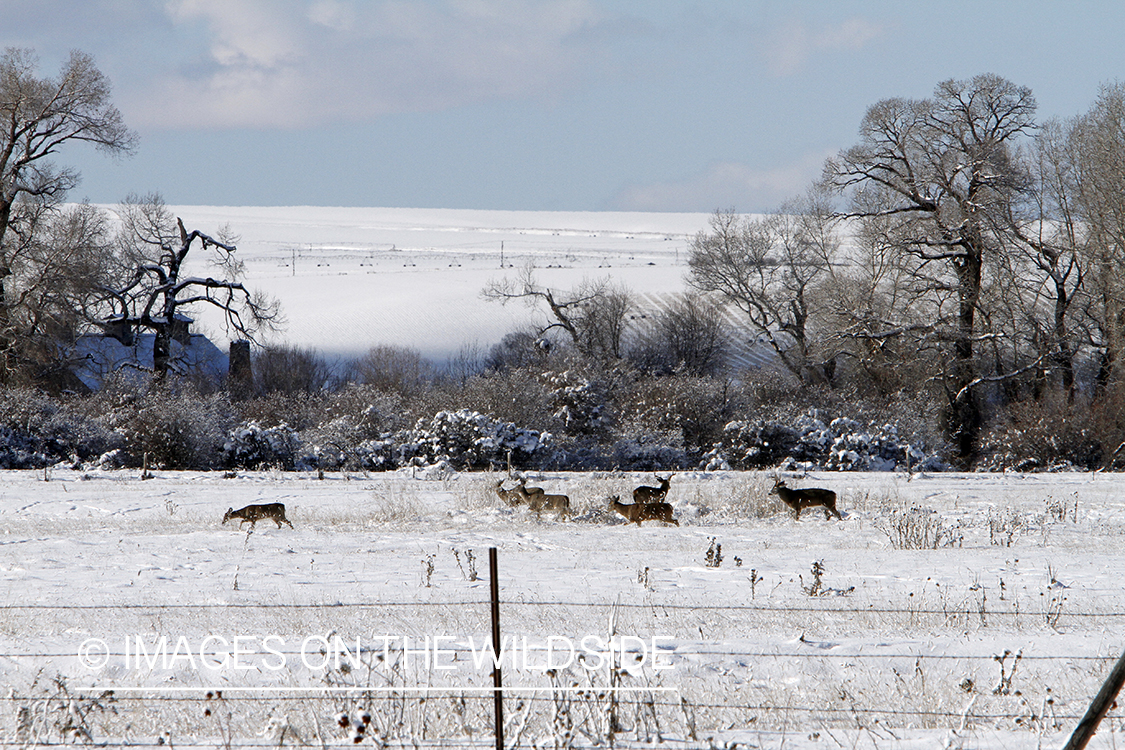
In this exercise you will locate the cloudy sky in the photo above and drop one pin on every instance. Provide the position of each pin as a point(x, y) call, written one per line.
point(532, 104)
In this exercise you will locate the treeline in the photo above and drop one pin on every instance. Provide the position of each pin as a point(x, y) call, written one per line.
point(953, 277)
point(562, 411)
point(960, 251)
point(547, 408)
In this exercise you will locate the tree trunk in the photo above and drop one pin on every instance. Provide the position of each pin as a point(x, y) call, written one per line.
point(1064, 358)
point(6, 341)
point(965, 417)
point(161, 351)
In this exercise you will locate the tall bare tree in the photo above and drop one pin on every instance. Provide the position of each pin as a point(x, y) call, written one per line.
point(689, 335)
point(769, 267)
point(38, 117)
point(1048, 241)
point(593, 315)
point(157, 243)
point(58, 259)
point(1098, 140)
point(939, 174)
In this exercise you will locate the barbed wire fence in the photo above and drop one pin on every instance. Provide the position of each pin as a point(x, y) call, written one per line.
point(713, 689)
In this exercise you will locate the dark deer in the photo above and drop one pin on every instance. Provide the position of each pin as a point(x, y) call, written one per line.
point(811, 497)
point(646, 495)
point(640, 512)
point(255, 513)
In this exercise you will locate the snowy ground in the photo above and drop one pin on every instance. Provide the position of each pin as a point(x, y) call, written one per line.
point(997, 641)
point(353, 278)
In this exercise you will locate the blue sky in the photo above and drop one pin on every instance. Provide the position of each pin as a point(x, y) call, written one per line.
point(532, 105)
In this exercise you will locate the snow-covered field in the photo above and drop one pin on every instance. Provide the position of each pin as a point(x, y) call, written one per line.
point(997, 634)
point(353, 278)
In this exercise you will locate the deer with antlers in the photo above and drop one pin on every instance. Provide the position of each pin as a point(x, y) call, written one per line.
point(647, 495)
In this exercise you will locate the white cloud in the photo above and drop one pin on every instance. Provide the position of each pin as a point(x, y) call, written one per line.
point(244, 33)
point(294, 63)
point(792, 45)
point(724, 185)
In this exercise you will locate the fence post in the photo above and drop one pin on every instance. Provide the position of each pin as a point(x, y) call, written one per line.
point(497, 695)
point(1098, 708)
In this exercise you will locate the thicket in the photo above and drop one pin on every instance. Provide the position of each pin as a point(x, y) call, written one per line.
point(561, 413)
point(558, 411)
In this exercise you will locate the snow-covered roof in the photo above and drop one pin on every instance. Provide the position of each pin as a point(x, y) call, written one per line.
point(97, 356)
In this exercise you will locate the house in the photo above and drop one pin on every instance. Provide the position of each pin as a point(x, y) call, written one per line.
point(121, 348)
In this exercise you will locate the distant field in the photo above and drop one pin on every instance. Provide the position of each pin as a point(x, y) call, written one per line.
point(352, 278)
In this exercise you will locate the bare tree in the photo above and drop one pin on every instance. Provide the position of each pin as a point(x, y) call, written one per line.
point(38, 117)
point(396, 369)
point(515, 350)
point(883, 330)
point(769, 268)
point(691, 335)
point(290, 370)
point(938, 173)
point(58, 257)
point(593, 315)
point(1098, 140)
point(158, 245)
point(1048, 243)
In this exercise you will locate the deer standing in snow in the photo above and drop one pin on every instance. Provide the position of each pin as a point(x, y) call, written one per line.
point(810, 497)
point(512, 497)
point(639, 512)
point(645, 494)
point(538, 500)
point(255, 513)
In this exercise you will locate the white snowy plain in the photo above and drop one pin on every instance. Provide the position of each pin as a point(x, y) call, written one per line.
point(997, 640)
point(352, 278)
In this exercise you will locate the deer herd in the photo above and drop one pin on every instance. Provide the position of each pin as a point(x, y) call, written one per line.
point(648, 503)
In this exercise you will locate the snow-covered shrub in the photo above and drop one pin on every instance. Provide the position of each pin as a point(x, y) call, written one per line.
point(251, 446)
point(695, 409)
point(753, 445)
point(514, 395)
point(377, 455)
point(354, 430)
point(579, 403)
point(469, 439)
point(841, 445)
point(1050, 436)
point(37, 430)
point(175, 426)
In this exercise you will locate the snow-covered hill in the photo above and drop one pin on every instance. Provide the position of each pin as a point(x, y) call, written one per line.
point(353, 278)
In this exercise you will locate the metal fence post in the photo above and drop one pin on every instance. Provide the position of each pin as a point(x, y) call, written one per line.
point(497, 695)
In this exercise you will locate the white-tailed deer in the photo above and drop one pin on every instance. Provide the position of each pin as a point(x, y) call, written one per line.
point(810, 497)
point(529, 491)
point(255, 513)
point(512, 497)
point(538, 500)
point(640, 512)
point(646, 494)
